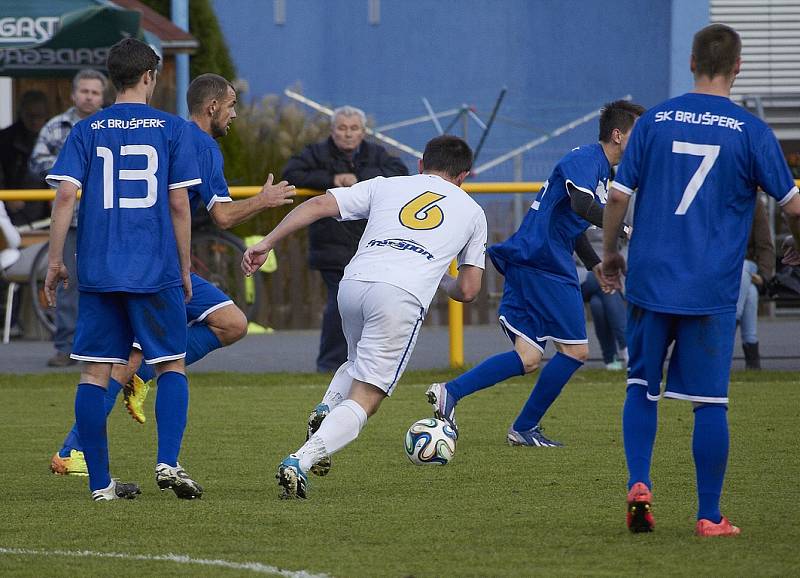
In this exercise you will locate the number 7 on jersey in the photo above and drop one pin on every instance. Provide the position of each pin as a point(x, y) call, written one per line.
point(709, 154)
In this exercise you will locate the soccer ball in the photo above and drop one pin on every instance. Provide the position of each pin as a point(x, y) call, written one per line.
point(430, 441)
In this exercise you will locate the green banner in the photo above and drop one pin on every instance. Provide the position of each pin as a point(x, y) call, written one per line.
point(48, 45)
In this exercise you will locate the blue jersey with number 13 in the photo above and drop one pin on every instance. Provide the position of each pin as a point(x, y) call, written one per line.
point(695, 162)
point(126, 159)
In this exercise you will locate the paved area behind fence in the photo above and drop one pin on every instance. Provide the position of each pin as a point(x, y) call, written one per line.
point(295, 351)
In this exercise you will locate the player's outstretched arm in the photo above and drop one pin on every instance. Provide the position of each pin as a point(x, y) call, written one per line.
point(613, 262)
point(301, 216)
point(227, 215)
point(60, 220)
point(466, 286)
point(182, 225)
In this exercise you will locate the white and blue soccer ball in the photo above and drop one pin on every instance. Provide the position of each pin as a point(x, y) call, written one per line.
point(430, 441)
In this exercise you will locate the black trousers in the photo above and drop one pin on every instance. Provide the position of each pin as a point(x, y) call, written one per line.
point(332, 344)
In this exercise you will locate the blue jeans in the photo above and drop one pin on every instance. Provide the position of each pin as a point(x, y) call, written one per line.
point(67, 299)
point(747, 306)
point(608, 313)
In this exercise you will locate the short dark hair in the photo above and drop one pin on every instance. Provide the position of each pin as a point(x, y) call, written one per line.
point(128, 59)
point(206, 87)
point(30, 97)
point(620, 114)
point(447, 154)
point(715, 49)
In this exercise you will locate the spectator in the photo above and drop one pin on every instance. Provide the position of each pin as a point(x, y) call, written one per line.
point(759, 266)
point(340, 161)
point(608, 312)
point(16, 144)
point(88, 88)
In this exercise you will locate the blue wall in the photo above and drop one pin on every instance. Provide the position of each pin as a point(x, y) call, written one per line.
point(559, 59)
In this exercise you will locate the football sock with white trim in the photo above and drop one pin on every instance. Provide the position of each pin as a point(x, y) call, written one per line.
point(172, 407)
point(552, 379)
point(200, 341)
point(487, 373)
point(90, 419)
point(73, 439)
point(639, 426)
point(710, 442)
point(340, 385)
point(341, 427)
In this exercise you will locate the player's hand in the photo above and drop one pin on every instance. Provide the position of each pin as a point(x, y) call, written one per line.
point(279, 194)
point(757, 279)
point(187, 287)
point(254, 257)
point(598, 273)
point(790, 254)
point(345, 180)
point(613, 268)
point(55, 273)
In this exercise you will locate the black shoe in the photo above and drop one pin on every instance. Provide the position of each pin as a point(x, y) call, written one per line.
point(116, 491)
point(177, 480)
point(752, 359)
point(61, 359)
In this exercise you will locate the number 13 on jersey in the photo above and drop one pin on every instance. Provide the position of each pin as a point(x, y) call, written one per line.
point(148, 175)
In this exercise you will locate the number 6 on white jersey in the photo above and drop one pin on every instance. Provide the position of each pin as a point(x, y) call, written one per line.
point(709, 154)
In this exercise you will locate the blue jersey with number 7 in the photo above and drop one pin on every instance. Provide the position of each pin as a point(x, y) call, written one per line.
point(696, 162)
point(126, 159)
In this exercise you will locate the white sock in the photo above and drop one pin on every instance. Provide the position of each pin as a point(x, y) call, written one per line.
point(339, 388)
point(341, 427)
point(623, 354)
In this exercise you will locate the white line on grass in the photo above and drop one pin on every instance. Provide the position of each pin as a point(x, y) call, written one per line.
point(178, 558)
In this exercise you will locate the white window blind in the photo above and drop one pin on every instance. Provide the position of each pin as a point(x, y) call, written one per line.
point(770, 31)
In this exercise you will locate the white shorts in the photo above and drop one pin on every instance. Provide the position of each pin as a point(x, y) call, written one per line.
point(381, 323)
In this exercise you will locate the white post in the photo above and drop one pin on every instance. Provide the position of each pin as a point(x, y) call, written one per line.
point(6, 109)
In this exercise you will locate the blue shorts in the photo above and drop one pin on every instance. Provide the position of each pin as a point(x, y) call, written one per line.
point(700, 362)
point(107, 323)
point(538, 307)
point(206, 298)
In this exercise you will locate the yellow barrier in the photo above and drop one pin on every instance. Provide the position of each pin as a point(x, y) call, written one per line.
point(455, 309)
point(249, 191)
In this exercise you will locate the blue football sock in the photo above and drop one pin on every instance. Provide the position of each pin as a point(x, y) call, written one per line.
point(73, 439)
point(90, 419)
point(639, 425)
point(552, 380)
point(710, 449)
point(200, 342)
point(172, 407)
point(490, 371)
point(146, 372)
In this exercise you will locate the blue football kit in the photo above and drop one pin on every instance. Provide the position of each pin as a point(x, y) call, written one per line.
point(126, 159)
point(541, 296)
point(695, 163)
point(206, 298)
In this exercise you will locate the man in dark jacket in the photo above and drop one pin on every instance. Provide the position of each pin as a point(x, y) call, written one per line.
point(340, 161)
point(16, 144)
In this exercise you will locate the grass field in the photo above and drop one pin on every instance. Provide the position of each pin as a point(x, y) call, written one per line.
point(494, 511)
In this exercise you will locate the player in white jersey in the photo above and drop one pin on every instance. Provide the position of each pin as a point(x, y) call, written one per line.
point(416, 226)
